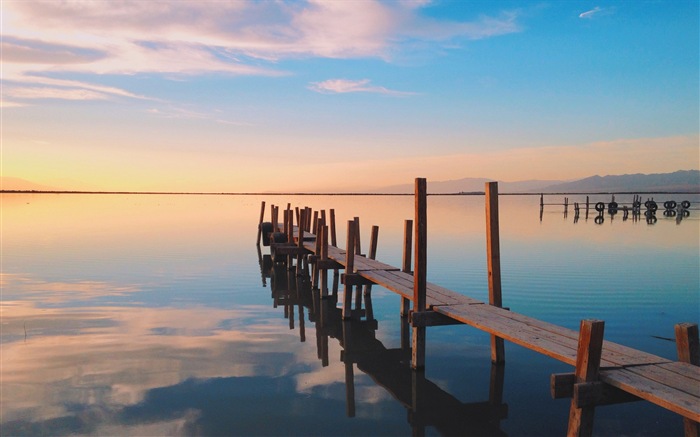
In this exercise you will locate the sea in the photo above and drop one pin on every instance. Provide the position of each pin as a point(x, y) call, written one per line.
point(153, 314)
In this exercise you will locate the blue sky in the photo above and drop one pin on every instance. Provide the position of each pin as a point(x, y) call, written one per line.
point(246, 95)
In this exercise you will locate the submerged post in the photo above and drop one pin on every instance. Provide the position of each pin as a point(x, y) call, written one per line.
point(493, 256)
point(419, 272)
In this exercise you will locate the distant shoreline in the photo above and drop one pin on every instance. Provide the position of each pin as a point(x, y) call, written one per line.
point(471, 193)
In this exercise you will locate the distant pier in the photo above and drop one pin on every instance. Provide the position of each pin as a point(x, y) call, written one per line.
point(604, 373)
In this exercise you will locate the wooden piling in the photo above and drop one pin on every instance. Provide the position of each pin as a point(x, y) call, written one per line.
point(419, 271)
point(372, 255)
point(334, 241)
point(349, 270)
point(493, 257)
point(358, 245)
point(688, 347)
point(590, 349)
point(260, 222)
point(406, 265)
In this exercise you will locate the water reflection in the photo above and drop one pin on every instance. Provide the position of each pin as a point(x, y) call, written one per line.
point(426, 403)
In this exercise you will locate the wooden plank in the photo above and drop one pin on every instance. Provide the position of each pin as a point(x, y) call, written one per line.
point(665, 374)
point(667, 397)
point(511, 330)
point(614, 354)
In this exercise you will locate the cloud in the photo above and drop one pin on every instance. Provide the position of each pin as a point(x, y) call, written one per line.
point(340, 86)
point(49, 38)
point(590, 14)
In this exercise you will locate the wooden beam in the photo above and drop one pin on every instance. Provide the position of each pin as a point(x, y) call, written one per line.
point(493, 257)
point(431, 318)
point(563, 385)
point(419, 271)
point(688, 347)
point(590, 348)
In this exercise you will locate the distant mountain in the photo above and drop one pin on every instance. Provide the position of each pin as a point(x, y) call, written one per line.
point(469, 185)
point(18, 184)
point(683, 180)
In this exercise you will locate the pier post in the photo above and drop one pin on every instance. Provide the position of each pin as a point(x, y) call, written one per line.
point(688, 346)
point(493, 256)
point(334, 241)
point(588, 355)
point(406, 265)
point(419, 271)
point(349, 270)
point(262, 217)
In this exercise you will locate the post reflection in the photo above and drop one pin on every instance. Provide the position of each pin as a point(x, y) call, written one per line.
point(426, 404)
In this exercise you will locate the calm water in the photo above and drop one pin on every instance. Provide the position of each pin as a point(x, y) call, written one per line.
point(149, 315)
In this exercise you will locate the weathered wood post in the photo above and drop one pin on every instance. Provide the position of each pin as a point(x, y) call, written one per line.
point(260, 222)
point(349, 270)
point(493, 257)
point(300, 242)
point(406, 265)
point(588, 354)
point(334, 241)
point(324, 258)
point(372, 254)
point(419, 271)
point(688, 346)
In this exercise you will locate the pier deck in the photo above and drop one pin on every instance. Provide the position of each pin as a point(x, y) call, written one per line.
point(670, 384)
point(605, 372)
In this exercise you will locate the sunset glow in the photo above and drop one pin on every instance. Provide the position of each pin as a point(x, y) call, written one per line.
point(324, 95)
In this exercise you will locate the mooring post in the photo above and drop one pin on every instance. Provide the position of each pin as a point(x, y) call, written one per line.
point(349, 270)
point(493, 256)
point(324, 258)
point(372, 254)
point(262, 217)
point(334, 241)
point(406, 265)
point(300, 245)
point(588, 354)
point(688, 346)
point(358, 246)
point(419, 271)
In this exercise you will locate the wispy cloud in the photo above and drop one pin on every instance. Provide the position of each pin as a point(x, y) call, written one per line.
point(592, 13)
point(48, 38)
point(340, 86)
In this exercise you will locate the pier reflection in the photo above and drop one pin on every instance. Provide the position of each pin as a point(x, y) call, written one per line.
point(426, 404)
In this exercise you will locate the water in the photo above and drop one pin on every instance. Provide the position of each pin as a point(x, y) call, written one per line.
point(148, 315)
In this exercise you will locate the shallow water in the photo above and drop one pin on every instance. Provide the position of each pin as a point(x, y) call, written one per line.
point(148, 315)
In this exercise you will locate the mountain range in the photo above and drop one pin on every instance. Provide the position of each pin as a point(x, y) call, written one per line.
point(679, 181)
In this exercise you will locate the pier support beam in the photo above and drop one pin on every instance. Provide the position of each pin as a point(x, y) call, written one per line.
point(419, 271)
point(588, 355)
point(349, 270)
point(688, 346)
point(493, 256)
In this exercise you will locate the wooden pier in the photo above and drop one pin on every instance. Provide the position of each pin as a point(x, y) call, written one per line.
point(604, 372)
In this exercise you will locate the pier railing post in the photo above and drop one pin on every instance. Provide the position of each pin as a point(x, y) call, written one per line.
point(688, 346)
point(493, 256)
point(588, 355)
point(419, 272)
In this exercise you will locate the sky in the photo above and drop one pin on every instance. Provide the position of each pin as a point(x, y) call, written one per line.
point(344, 95)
